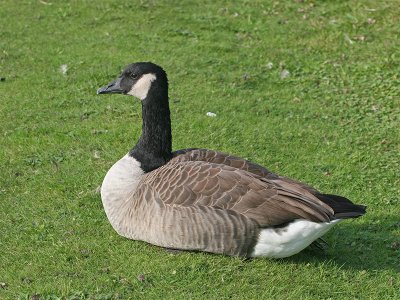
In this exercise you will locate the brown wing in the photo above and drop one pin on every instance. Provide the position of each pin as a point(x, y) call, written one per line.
point(193, 154)
point(199, 183)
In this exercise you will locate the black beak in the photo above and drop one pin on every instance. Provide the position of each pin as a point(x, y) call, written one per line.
point(111, 88)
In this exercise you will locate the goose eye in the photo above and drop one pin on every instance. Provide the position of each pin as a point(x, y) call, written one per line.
point(134, 76)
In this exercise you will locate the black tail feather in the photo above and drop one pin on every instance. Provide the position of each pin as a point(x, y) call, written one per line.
point(343, 208)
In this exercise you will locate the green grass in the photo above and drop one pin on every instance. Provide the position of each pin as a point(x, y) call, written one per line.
point(333, 123)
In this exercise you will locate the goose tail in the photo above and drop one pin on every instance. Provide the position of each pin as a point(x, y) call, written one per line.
point(343, 208)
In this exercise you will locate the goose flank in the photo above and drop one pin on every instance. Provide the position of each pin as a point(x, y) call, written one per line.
point(205, 200)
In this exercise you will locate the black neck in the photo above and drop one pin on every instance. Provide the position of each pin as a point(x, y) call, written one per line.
point(155, 144)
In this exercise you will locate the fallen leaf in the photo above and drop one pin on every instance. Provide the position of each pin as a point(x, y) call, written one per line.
point(360, 38)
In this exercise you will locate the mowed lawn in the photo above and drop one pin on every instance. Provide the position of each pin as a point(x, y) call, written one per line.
point(309, 89)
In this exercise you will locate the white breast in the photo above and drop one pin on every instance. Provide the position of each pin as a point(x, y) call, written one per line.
point(291, 239)
point(118, 186)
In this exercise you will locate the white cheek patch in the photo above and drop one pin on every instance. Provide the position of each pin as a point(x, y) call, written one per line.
point(142, 86)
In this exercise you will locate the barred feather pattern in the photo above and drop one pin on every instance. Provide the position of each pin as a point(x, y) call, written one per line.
point(209, 201)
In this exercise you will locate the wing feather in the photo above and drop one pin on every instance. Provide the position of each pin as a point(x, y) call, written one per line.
point(212, 156)
point(267, 201)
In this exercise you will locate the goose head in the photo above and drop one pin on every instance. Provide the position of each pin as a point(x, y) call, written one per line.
point(148, 82)
point(141, 80)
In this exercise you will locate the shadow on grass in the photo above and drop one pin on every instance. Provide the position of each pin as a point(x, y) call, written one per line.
point(368, 246)
point(372, 245)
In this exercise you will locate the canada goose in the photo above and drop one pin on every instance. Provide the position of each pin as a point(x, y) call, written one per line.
point(199, 199)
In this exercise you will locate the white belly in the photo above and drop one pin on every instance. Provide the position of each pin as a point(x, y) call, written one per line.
point(291, 239)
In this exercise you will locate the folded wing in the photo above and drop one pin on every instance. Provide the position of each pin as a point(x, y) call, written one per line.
point(269, 202)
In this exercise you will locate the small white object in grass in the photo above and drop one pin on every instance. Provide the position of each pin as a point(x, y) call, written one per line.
point(285, 73)
point(348, 39)
point(360, 38)
point(270, 65)
point(64, 69)
point(96, 154)
point(375, 108)
point(211, 114)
